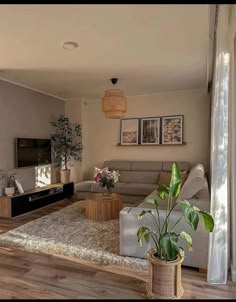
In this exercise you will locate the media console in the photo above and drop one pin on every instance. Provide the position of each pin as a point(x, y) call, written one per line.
point(19, 204)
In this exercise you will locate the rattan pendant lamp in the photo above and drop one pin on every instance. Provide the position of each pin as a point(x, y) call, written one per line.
point(114, 103)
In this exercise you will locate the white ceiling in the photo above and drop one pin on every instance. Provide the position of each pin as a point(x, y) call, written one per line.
point(149, 48)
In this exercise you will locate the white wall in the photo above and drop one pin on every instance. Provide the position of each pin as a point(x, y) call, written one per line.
point(24, 113)
point(102, 134)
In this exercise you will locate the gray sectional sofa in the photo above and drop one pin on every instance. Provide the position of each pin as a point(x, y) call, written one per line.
point(196, 185)
point(137, 179)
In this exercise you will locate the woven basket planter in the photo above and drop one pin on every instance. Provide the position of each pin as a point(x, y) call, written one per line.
point(164, 278)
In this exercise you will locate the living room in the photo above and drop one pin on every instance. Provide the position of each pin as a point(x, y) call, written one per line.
point(63, 239)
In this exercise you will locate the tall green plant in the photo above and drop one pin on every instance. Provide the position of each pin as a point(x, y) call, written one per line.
point(66, 142)
point(165, 238)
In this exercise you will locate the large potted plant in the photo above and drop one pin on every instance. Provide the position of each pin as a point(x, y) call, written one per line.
point(66, 145)
point(166, 258)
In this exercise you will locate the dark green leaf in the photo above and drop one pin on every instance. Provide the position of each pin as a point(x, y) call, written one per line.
point(143, 231)
point(183, 204)
point(191, 214)
point(188, 239)
point(153, 201)
point(192, 217)
point(175, 182)
point(169, 246)
point(140, 216)
point(163, 191)
point(208, 220)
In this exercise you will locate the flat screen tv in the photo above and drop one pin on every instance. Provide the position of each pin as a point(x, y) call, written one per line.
point(32, 152)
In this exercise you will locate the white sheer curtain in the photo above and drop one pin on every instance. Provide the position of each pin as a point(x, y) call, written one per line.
point(219, 243)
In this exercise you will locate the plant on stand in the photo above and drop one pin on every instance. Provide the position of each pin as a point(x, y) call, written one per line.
point(107, 180)
point(66, 145)
point(166, 258)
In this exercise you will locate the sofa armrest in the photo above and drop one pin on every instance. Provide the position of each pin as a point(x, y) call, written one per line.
point(129, 225)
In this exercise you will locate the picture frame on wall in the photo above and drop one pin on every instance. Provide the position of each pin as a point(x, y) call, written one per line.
point(172, 129)
point(129, 131)
point(150, 131)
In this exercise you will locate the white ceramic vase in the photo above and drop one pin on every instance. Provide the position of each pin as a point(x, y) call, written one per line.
point(65, 176)
point(9, 191)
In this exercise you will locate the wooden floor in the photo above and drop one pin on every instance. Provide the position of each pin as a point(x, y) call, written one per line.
point(26, 275)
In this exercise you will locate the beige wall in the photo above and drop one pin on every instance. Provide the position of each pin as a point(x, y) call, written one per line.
point(102, 134)
point(24, 113)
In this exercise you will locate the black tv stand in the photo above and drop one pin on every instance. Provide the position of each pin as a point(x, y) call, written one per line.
point(19, 204)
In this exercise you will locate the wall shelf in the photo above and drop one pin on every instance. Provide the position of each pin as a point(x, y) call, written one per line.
point(160, 145)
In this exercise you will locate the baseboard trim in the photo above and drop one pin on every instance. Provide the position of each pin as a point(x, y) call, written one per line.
point(233, 274)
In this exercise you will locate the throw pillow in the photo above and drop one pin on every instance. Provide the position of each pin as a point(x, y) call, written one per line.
point(184, 176)
point(96, 171)
point(165, 177)
point(194, 182)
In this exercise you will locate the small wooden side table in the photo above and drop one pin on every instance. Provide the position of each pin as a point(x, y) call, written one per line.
point(101, 208)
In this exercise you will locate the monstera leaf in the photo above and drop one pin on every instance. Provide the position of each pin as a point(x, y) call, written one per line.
point(169, 245)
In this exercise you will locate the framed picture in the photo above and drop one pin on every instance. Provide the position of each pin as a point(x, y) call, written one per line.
point(129, 131)
point(19, 187)
point(172, 129)
point(150, 130)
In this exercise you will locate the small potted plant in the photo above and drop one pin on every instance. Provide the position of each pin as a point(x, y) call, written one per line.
point(166, 258)
point(10, 183)
point(66, 145)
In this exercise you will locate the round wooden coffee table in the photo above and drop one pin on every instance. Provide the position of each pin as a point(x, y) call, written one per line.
point(101, 208)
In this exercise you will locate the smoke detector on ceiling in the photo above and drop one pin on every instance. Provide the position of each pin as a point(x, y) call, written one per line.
point(70, 45)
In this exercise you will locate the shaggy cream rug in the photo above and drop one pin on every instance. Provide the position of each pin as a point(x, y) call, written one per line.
point(67, 232)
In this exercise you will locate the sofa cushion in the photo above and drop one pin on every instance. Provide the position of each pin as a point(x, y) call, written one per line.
point(204, 192)
point(139, 177)
point(137, 188)
point(146, 166)
point(165, 177)
point(194, 182)
point(183, 166)
point(118, 165)
point(84, 186)
point(96, 188)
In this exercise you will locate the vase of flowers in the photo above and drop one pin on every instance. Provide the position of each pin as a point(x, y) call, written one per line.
point(107, 179)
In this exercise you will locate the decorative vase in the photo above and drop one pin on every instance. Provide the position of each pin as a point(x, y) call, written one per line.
point(108, 192)
point(9, 191)
point(65, 176)
point(164, 277)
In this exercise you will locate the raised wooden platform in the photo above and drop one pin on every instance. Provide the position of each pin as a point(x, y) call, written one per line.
point(25, 275)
